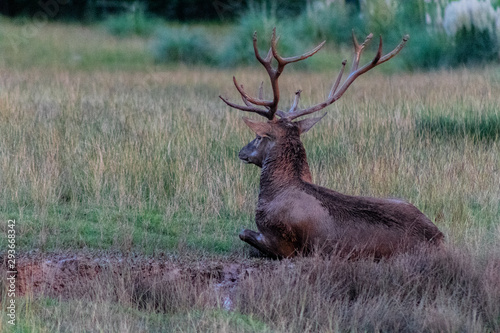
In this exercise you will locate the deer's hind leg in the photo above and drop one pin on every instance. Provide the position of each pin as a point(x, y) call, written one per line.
point(269, 246)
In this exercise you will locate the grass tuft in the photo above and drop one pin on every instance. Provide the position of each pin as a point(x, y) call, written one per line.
point(482, 127)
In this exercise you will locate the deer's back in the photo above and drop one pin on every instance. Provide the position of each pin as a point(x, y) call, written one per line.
point(310, 215)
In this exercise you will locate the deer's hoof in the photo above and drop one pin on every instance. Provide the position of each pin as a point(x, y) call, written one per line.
point(250, 235)
point(244, 234)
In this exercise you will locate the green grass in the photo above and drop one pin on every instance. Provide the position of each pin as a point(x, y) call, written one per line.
point(107, 151)
point(49, 315)
point(482, 127)
point(73, 47)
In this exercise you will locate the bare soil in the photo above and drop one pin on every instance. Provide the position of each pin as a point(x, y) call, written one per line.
point(449, 290)
point(73, 274)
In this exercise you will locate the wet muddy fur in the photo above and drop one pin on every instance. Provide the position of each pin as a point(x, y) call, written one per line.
point(295, 216)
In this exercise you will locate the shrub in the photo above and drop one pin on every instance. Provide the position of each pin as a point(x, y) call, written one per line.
point(238, 48)
point(131, 23)
point(475, 28)
point(427, 49)
point(380, 15)
point(332, 21)
point(190, 46)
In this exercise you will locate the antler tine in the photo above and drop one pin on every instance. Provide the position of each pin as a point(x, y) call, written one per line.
point(394, 52)
point(253, 100)
point(247, 103)
point(284, 61)
point(358, 50)
point(254, 109)
point(355, 73)
point(271, 106)
point(274, 73)
point(261, 90)
point(295, 101)
point(264, 61)
point(337, 82)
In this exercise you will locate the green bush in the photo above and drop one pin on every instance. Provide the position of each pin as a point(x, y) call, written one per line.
point(429, 46)
point(328, 21)
point(238, 48)
point(474, 27)
point(190, 46)
point(426, 50)
point(131, 23)
point(333, 22)
point(380, 16)
point(474, 46)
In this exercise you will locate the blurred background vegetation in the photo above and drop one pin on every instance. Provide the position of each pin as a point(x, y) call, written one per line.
point(444, 33)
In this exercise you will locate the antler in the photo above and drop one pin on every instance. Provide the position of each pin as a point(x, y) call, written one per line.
point(335, 94)
point(253, 104)
point(269, 108)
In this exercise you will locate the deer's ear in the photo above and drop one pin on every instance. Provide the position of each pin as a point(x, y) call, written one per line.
point(260, 128)
point(306, 124)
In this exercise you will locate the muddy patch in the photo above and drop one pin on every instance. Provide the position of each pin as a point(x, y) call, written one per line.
point(133, 278)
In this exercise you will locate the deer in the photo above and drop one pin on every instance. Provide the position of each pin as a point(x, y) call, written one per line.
point(293, 215)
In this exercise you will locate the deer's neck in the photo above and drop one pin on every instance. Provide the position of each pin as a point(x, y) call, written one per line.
point(285, 165)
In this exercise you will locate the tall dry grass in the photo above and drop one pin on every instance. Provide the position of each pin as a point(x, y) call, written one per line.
point(154, 154)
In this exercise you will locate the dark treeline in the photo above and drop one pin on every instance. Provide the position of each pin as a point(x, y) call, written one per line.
point(186, 10)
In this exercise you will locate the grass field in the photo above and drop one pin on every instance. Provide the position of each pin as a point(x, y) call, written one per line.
point(100, 149)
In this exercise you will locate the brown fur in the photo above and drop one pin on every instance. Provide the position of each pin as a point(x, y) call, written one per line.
point(295, 216)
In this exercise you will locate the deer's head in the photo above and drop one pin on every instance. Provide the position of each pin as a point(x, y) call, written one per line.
point(280, 125)
point(272, 133)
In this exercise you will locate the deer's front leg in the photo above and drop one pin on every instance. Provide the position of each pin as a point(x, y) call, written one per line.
point(269, 246)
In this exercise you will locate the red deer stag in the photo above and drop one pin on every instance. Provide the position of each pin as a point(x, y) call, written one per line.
point(295, 216)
